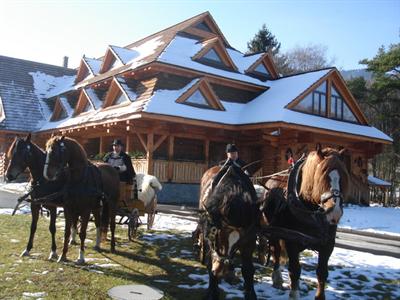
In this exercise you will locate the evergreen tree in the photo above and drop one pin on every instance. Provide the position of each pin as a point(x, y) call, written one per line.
point(380, 100)
point(263, 41)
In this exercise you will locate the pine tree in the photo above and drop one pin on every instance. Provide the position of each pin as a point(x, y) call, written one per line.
point(263, 41)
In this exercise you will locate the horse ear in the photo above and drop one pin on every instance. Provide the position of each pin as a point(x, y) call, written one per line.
point(28, 137)
point(62, 138)
point(343, 152)
point(318, 148)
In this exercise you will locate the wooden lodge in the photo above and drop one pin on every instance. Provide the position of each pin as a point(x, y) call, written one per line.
point(177, 97)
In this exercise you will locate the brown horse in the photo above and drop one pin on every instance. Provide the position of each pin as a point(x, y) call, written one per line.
point(88, 186)
point(228, 225)
point(311, 203)
point(23, 154)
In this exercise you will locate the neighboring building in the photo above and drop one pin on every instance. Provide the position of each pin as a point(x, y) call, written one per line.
point(178, 96)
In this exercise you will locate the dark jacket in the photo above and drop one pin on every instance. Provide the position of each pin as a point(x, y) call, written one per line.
point(118, 162)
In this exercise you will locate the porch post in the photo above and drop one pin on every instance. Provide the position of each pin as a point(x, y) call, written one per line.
point(207, 152)
point(170, 171)
point(102, 145)
point(149, 154)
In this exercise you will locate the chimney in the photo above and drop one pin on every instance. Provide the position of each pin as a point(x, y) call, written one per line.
point(65, 62)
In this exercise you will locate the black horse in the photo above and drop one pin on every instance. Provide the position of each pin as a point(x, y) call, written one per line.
point(229, 224)
point(24, 154)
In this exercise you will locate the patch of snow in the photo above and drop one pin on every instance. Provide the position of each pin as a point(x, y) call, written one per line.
point(123, 54)
point(34, 295)
point(93, 64)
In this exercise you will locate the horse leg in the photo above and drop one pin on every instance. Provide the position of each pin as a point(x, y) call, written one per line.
point(69, 216)
point(277, 281)
point(82, 235)
point(96, 214)
point(74, 232)
point(294, 270)
point(248, 272)
point(322, 269)
point(52, 228)
point(213, 290)
point(112, 228)
point(35, 217)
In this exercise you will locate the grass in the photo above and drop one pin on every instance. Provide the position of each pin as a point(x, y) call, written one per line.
point(140, 262)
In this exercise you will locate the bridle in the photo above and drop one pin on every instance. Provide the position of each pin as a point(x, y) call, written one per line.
point(60, 155)
point(26, 154)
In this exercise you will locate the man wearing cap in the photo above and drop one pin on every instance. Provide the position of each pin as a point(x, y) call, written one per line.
point(122, 163)
point(232, 154)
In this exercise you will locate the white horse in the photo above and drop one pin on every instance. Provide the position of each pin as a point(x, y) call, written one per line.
point(148, 186)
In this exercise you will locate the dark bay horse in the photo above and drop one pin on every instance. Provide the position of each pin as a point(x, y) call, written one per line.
point(89, 188)
point(311, 203)
point(23, 154)
point(229, 224)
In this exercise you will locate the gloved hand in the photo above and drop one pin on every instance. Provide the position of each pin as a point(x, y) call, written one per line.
point(116, 168)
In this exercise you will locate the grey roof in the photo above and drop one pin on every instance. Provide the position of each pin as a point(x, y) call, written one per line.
point(21, 105)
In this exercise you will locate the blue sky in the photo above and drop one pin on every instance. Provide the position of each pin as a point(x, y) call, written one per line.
point(45, 31)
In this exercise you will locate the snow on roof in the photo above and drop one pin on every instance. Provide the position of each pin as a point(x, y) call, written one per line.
point(93, 64)
point(145, 50)
point(128, 91)
point(243, 62)
point(181, 50)
point(96, 102)
point(123, 54)
point(377, 181)
point(67, 107)
point(268, 107)
point(2, 113)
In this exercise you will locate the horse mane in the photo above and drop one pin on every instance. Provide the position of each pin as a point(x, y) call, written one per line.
point(73, 146)
point(11, 148)
point(315, 174)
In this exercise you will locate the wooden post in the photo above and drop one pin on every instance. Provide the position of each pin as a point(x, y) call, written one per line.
point(206, 153)
point(102, 145)
point(170, 172)
point(128, 143)
point(149, 153)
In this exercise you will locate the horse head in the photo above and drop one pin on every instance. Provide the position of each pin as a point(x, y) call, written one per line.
point(20, 155)
point(56, 158)
point(231, 212)
point(325, 181)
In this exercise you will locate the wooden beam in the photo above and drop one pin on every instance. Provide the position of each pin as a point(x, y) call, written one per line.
point(149, 153)
point(207, 152)
point(144, 144)
point(170, 171)
point(159, 142)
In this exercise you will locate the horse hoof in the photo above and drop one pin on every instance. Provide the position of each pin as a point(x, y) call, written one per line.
point(80, 261)
point(53, 255)
point(294, 295)
point(24, 253)
point(62, 259)
point(73, 243)
point(97, 248)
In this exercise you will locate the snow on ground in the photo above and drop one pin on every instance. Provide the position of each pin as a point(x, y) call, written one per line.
point(353, 274)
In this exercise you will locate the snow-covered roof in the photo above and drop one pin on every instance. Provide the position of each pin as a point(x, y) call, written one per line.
point(93, 64)
point(266, 108)
point(377, 181)
point(181, 50)
point(123, 54)
point(94, 99)
point(67, 107)
point(130, 93)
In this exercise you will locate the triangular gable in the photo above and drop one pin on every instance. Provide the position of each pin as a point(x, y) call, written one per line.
point(110, 60)
point(124, 55)
point(60, 111)
point(215, 48)
point(87, 66)
point(313, 96)
point(118, 92)
point(202, 95)
point(84, 104)
point(94, 98)
point(264, 62)
point(205, 27)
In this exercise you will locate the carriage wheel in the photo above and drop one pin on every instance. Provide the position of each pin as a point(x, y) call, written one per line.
point(152, 213)
point(133, 224)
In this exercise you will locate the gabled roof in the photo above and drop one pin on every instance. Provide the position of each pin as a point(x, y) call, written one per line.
point(23, 87)
point(269, 107)
point(61, 105)
point(268, 62)
point(88, 66)
point(86, 97)
point(206, 90)
point(118, 86)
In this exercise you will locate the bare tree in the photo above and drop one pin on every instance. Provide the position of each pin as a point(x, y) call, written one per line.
point(308, 58)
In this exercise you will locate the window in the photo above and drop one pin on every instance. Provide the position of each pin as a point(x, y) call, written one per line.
point(87, 107)
point(62, 115)
point(197, 98)
point(213, 56)
point(339, 109)
point(315, 102)
point(261, 69)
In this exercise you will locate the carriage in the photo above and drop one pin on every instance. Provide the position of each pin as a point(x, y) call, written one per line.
point(131, 211)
